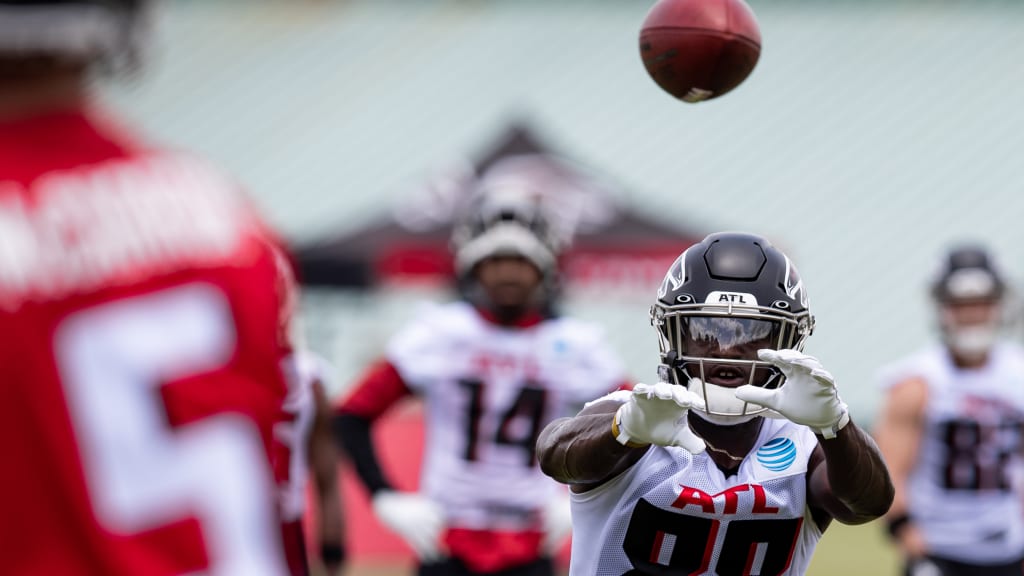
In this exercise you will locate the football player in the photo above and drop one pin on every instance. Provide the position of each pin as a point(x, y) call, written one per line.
point(741, 456)
point(141, 328)
point(492, 369)
point(951, 430)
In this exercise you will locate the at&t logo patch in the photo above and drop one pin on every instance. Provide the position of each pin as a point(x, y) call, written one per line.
point(777, 455)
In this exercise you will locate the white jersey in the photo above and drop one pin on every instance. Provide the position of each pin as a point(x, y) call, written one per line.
point(962, 491)
point(302, 369)
point(488, 391)
point(676, 513)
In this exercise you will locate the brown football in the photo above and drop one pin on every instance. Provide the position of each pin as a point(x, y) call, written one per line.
point(700, 49)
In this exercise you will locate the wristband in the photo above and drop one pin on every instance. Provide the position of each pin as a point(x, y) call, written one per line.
point(332, 554)
point(830, 433)
point(897, 524)
point(621, 436)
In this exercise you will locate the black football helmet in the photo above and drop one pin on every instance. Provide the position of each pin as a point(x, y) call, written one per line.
point(107, 32)
point(968, 281)
point(722, 300)
point(967, 273)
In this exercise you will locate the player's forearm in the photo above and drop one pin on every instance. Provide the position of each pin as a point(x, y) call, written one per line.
point(330, 520)
point(898, 437)
point(353, 435)
point(857, 475)
point(582, 450)
point(325, 478)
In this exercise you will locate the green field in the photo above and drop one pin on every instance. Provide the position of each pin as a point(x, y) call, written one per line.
point(855, 551)
point(844, 551)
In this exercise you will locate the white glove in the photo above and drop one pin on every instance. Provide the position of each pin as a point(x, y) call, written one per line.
point(656, 414)
point(417, 519)
point(557, 522)
point(808, 396)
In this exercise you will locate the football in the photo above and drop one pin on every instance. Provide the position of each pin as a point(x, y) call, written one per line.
point(697, 50)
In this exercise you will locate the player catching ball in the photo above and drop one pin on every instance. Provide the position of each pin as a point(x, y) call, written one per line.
point(741, 456)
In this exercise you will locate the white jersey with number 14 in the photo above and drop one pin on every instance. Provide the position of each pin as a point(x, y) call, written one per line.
point(488, 391)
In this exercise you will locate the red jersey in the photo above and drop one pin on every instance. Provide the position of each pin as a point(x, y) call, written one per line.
point(141, 315)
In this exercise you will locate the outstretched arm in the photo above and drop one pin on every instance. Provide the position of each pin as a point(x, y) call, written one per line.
point(849, 480)
point(847, 477)
point(582, 452)
point(610, 435)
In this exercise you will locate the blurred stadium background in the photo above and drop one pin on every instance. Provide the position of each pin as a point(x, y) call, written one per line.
point(870, 136)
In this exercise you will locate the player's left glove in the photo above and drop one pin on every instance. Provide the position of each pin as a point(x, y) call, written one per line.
point(808, 397)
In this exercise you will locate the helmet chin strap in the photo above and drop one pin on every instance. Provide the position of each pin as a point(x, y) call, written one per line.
point(724, 408)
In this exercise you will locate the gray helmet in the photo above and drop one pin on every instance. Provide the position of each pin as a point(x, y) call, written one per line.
point(505, 222)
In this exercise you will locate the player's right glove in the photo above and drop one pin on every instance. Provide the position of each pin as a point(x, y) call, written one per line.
point(416, 518)
point(656, 414)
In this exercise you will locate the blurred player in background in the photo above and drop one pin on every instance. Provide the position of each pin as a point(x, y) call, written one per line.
point(492, 369)
point(141, 326)
point(689, 476)
point(951, 431)
point(305, 443)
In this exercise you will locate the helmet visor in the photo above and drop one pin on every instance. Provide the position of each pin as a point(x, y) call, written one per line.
point(727, 336)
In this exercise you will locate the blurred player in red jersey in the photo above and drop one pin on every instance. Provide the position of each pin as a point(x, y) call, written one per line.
point(492, 369)
point(142, 326)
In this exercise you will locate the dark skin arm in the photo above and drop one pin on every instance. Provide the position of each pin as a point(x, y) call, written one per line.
point(323, 461)
point(580, 450)
point(847, 479)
